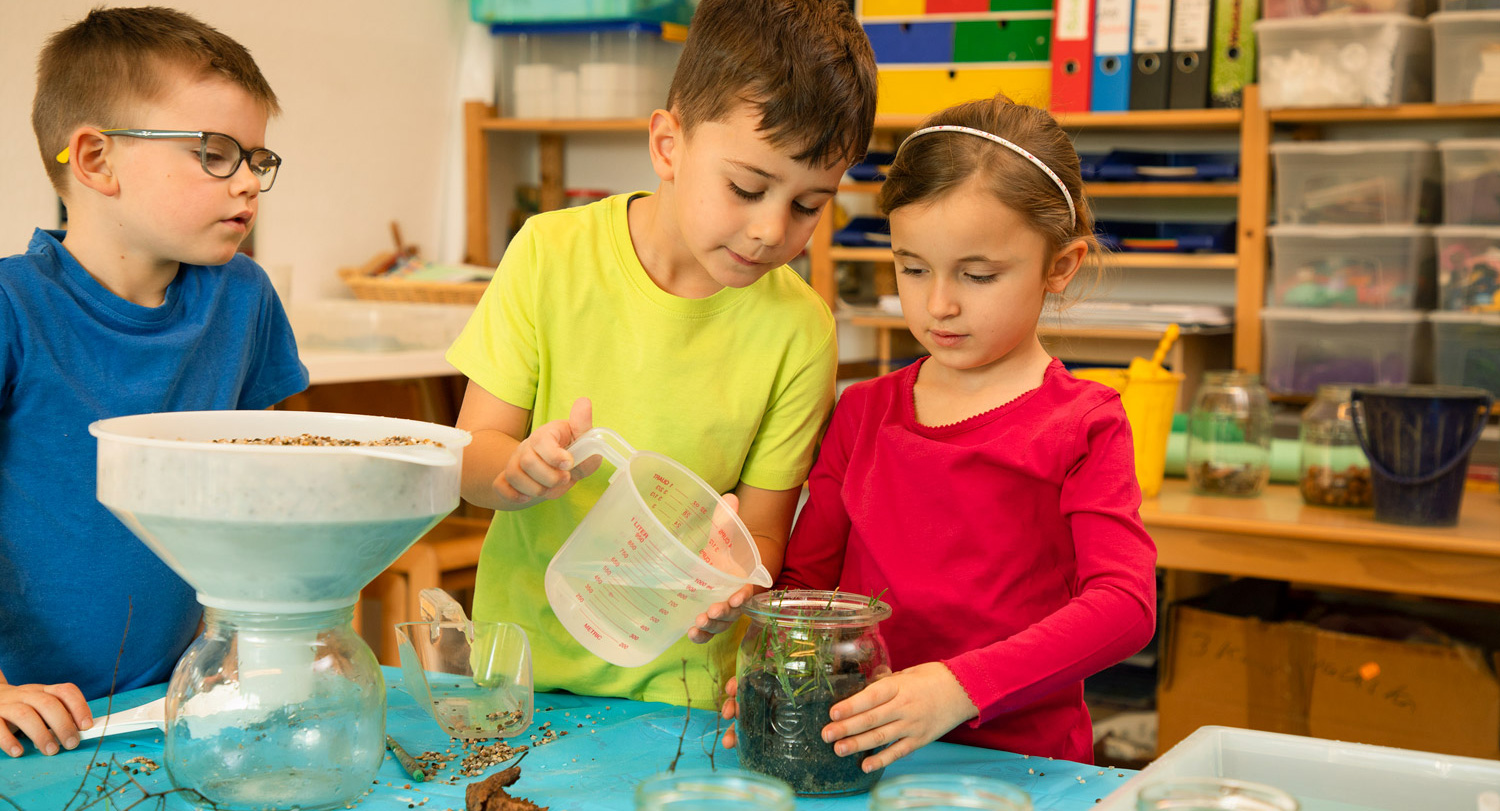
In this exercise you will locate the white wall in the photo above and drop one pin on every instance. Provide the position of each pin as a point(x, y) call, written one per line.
point(370, 109)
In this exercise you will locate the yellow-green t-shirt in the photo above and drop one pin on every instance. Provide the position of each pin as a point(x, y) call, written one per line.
point(736, 387)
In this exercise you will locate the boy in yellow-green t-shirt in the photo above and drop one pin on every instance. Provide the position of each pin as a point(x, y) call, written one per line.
point(673, 319)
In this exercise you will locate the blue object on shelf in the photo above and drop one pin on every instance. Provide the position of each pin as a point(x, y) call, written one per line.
point(547, 12)
point(1166, 237)
point(873, 167)
point(1088, 165)
point(1143, 165)
point(577, 27)
point(911, 43)
point(864, 232)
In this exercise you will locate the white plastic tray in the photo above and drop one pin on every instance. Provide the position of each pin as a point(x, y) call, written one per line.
point(1325, 775)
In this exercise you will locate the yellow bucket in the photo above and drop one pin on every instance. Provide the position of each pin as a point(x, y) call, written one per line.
point(1148, 403)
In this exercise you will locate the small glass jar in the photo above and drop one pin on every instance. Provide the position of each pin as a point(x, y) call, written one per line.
point(1212, 794)
point(938, 792)
point(1229, 435)
point(804, 652)
point(713, 790)
point(1333, 471)
point(270, 710)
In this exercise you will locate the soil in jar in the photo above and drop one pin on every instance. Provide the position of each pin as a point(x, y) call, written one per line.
point(1243, 479)
point(1333, 488)
point(781, 735)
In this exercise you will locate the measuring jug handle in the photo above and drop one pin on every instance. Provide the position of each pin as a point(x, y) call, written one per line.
point(601, 442)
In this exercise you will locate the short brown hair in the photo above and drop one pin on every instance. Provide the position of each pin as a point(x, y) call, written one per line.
point(931, 166)
point(90, 72)
point(806, 64)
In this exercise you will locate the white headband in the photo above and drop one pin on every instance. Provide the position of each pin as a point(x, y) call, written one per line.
point(1072, 212)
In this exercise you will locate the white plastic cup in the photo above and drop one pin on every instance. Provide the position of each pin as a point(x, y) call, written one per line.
point(658, 548)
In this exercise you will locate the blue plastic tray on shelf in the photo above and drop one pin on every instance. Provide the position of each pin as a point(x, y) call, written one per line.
point(1088, 165)
point(873, 167)
point(1133, 165)
point(547, 12)
point(1166, 237)
point(864, 232)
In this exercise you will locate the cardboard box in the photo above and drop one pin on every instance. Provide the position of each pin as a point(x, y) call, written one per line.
point(1296, 678)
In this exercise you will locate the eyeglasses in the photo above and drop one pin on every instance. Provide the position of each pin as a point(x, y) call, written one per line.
point(220, 154)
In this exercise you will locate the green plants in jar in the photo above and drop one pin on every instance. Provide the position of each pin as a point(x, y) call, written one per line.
point(806, 650)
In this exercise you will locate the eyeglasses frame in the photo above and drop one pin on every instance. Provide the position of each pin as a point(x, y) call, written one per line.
point(202, 136)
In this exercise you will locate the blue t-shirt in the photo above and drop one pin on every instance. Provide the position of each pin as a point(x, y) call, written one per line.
point(72, 352)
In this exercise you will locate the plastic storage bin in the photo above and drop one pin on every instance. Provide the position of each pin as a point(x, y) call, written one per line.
point(1468, 267)
point(610, 70)
point(557, 11)
point(1355, 182)
point(1466, 349)
point(1471, 181)
point(1348, 60)
point(1321, 774)
point(1466, 64)
point(1277, 9)
point(1306, 348)
point(1379, 267)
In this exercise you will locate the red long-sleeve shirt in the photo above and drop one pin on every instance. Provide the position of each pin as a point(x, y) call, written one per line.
point(1009, 546)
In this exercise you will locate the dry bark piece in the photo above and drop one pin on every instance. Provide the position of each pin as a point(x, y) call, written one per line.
point(490, 794)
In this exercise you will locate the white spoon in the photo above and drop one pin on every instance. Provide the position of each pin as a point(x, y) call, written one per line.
point(152, 715)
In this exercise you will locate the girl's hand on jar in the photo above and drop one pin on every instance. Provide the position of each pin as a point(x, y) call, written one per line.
point(906, 710)
point(727, 713)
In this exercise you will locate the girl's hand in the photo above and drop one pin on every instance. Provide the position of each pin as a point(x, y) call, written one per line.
point(541, 467)
point(907, 710)
point(727, 713)
point(48, 714)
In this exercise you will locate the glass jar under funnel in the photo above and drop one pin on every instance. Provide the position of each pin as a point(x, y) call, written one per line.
point(278, 704)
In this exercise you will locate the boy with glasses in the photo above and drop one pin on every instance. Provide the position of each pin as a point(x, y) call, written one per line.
point(672, 318)
point(152, 129)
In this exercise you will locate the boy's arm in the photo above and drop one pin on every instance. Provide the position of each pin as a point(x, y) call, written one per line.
point(48, 714)
point(507, 469)
point(768, 515)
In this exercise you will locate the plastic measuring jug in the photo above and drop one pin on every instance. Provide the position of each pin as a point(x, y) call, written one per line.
point(657, 548)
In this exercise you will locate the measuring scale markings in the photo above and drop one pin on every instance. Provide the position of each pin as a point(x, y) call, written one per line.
point(632, 592)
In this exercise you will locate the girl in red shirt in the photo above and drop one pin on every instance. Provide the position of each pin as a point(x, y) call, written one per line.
point(984, 492)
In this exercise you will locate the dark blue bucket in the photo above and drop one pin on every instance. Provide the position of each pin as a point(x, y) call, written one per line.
point(1418, 440)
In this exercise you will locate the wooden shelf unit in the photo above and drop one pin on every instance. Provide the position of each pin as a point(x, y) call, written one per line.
point(1253, 124)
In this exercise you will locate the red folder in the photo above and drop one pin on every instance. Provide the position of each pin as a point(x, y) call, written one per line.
point(1072, 55)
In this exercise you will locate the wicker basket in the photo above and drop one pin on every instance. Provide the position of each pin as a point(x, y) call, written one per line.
point(366, 282)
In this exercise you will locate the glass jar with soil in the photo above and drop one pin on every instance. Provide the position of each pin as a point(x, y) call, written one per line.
point(1333, 470)
point(1229, 436)
point(804, 652)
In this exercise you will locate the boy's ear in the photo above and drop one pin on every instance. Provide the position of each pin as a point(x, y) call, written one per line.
point(1065, 265)
point(89, 155)
point(665, 140)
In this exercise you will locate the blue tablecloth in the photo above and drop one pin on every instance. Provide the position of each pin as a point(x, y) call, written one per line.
point(594, 767)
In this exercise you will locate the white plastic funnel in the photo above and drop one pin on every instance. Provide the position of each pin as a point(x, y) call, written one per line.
point(269, 527)
point(658, 548)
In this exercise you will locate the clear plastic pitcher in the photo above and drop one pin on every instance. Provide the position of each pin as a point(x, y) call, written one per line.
point(658, 548)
